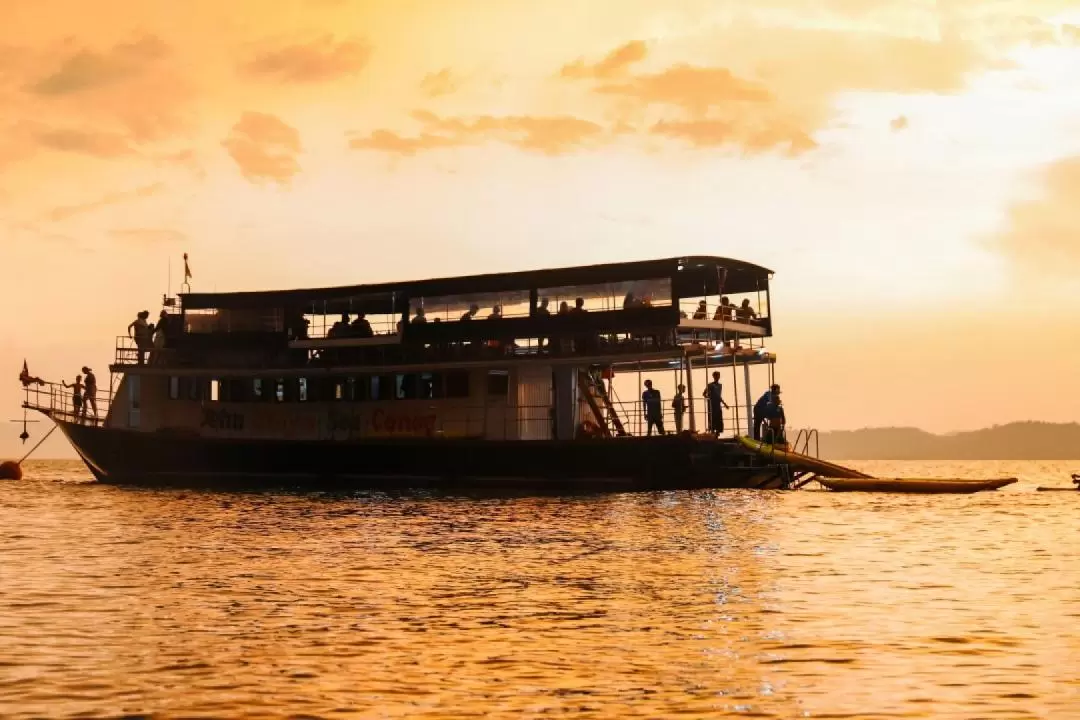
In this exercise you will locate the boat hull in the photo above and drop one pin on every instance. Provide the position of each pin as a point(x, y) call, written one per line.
point(914, 485)
point(593, 465)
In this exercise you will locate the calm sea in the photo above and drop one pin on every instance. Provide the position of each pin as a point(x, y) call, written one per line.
point(692, 604)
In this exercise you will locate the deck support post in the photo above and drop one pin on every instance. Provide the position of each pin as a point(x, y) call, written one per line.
point(749, 400)
point(690, 390)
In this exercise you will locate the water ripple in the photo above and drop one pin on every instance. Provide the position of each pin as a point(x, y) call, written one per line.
point(131, 603)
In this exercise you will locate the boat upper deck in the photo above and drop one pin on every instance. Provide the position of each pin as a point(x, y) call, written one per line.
point(611, 309)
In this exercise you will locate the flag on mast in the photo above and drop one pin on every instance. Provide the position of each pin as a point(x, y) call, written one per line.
point(187, 269)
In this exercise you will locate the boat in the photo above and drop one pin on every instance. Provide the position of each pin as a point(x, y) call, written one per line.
point(1075, 479)
point(914, 485)
point(460, 382)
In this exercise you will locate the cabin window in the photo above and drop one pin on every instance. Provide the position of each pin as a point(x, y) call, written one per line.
point(215, 390)
point(498, 383)
point(351, 389)
point(190, 388)
point(279, 390)
point(426, 389)
point(302, 390)
point(257, 390)
point(382, 387)
point(174, 388)
point(406, 386)
point(456, 384)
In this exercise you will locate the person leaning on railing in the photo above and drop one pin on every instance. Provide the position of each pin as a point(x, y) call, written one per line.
point(140, 331)
point(76, 397)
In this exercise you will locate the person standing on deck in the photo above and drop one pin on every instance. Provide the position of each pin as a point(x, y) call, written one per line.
point(654, 414)
point(760, 408)
point(139, 330)
point(775, 422)
point(714, 396)
point(77, 391)
point(679, 406)
point(90, 393)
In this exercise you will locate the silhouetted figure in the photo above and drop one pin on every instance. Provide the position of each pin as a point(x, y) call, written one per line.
point(76, 397)
point(361, 328)
point(760, 408)
point(654, 413)
point(745, 313)
point(725, 311)
point(678, 404)
point(140, 331)
point(90, 391)
point(473, 309)
point(702, 312)
point(714, 396)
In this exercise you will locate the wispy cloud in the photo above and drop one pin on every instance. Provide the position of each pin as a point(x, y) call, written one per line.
point(65, 212)
point(148, 235)
point(440, 83)
point(86, 142)
point(316, 61)
point(89, 69)
point(264, 148)
point(613, 64)
point(550, 135)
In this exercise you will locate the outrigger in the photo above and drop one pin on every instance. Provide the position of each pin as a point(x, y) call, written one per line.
point(506, 381)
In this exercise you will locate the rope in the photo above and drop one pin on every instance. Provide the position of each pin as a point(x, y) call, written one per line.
point(38, 445)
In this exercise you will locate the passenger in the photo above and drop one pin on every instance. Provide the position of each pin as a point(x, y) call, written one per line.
point(160, 336)
point(745, 313)
point(654, 414)
point(90, 391)
point(761, 406)
point(340, 328)
point(702, 312)
point(76, 398)
point(725, 311)
point(775, 422)
point(496, 313)
point(579, 306)
point(420, 317)
point(473, 309)
point(714, 395)
point(542, 309)
point(361, 328)
point(140, 331)
point(564, 308)
point(630, 301)
point(679, 406)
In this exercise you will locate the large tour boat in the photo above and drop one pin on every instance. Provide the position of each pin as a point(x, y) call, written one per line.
point(524, 380)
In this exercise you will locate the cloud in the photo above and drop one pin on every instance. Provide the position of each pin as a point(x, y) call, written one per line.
point(718, 133)
point(65, 212)
point(148, 235)
point(898, 123)
point(550, 135)
point(437, 84)
point(264, 148)
point(86, 142)
point(87, 69)
point(695, 89)
point(314, 62)
point(613, 64)
point(1042, 237)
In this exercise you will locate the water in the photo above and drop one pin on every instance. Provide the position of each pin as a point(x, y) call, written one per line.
point(698, 604)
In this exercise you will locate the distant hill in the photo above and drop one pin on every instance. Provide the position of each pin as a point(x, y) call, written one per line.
point(1016, 441)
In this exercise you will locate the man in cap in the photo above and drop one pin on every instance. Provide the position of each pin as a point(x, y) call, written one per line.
point(761, 408)
point(89, 391)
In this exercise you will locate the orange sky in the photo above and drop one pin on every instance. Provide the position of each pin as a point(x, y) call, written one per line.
point(911, 170)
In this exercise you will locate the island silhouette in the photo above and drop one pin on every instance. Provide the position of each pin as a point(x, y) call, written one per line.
point(1014, 441)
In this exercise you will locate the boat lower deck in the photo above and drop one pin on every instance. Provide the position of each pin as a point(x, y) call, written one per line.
point(666, 462)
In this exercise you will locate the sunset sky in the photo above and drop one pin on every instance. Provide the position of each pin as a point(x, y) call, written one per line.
point(909, 168)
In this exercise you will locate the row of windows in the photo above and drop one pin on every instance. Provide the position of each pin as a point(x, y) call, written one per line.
point(362, 388)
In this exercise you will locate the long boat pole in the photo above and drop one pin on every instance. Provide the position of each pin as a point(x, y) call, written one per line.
point(690, 389)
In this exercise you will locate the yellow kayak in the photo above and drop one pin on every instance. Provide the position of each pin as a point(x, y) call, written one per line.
point(914, 485)
point(798, 461)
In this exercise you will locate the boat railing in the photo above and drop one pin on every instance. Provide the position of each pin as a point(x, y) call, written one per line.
point(58, 402)
point(802, 442)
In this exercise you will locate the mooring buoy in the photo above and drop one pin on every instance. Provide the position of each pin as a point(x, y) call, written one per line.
point(10, 470)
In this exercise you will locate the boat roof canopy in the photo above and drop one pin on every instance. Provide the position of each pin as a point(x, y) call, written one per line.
point(693, 276)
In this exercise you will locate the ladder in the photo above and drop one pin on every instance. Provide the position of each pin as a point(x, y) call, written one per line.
point(593, 389)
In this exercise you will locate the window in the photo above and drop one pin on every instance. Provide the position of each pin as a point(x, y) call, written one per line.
point(302, 394)
point(257, 390)
point(279, 390)
point(352, 388)
point(382, 388)
point(426, 388)
point(405, 386)
point(498, 383)
point(339, 390)
point(191, 389)
point(215, 391)
point(456, 384)
point(174, 388)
